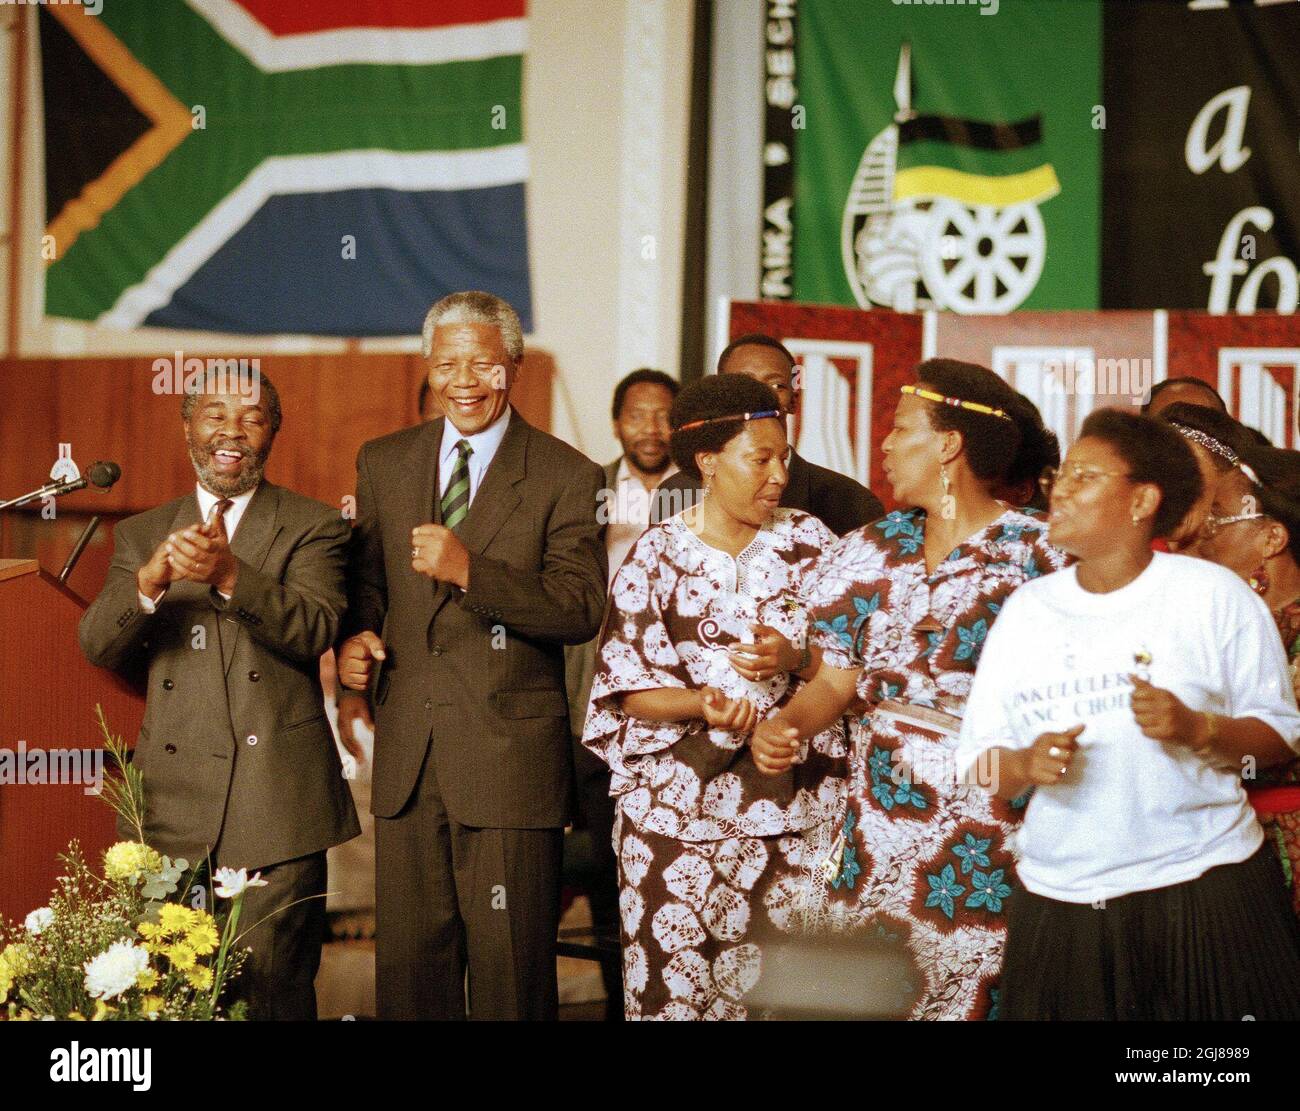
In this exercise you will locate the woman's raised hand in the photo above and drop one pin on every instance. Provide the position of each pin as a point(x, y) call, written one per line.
point(1048, 759)
point(775, 745)
point(769, 655)
point(1161, 715)
point(738, 715)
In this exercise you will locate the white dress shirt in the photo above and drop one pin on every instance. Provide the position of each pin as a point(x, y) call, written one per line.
point(483, 446)
point(629, 515)
point(207, 500)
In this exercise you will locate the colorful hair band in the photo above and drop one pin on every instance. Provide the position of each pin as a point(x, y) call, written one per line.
point(760, 415)
point(956, 402)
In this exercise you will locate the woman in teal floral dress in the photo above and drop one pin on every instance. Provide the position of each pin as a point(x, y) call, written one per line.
point(901, 609)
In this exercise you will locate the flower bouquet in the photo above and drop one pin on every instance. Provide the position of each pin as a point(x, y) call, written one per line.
point(127, 944)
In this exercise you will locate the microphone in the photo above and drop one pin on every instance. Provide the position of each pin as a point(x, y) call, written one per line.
point(104, 475)
point(98, 474)
point(80, 545)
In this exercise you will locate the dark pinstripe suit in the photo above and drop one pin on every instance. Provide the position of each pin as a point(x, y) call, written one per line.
point(472, 776)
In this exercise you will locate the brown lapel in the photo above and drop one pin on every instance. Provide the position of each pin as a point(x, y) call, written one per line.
point(258, 528)
point(496, 498)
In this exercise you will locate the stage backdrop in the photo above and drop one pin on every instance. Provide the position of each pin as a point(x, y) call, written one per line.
point(852, 362)
point(260, 167)
point(991, 155)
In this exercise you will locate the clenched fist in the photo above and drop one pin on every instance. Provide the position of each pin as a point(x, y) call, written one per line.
point(356, 660)
point(1161, 715)
point(437, 552)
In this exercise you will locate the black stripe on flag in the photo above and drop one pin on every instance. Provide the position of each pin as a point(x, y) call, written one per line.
point(973, 133)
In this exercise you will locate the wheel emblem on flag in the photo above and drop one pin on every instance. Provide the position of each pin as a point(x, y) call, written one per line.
point(934, 236)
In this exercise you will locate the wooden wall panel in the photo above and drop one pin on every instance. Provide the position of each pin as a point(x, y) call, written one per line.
point(106, 409)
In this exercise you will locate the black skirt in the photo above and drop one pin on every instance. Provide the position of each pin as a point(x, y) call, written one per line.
point(1223, 946)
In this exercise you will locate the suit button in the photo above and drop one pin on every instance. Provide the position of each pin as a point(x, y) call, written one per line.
point(168, 684)
point(169, 748)
point(437, 651)
point(428, 703)
point(252, 738)
point(254, 676)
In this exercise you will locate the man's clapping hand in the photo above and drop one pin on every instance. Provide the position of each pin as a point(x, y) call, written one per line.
point(198, 553)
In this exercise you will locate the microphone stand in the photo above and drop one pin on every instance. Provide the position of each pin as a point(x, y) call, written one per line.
point(78, 548)
point(49, 490)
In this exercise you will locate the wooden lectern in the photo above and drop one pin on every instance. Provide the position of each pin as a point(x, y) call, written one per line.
point(48, 693)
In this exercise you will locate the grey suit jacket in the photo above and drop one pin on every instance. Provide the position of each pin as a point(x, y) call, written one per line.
point(235, 747)
point(479, 673)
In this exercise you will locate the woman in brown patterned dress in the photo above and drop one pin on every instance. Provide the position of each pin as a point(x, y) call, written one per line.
point(706, 635)
point(901, 609)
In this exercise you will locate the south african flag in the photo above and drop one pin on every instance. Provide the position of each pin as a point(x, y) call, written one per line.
point(254, 166)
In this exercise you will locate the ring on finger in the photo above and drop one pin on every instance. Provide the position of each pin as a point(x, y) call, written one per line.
point(1064, 769)
point(1054, 752)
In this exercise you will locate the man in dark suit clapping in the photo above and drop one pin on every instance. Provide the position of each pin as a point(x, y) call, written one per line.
point(230, 595)
point(476, 555)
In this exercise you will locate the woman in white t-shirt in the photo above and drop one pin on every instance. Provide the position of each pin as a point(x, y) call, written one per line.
point(1131, 691)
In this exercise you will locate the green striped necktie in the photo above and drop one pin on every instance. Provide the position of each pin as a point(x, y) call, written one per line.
point(455, 502)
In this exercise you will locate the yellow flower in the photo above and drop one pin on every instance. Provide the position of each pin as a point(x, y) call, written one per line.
point(17, 958)
point(181, 956)
point(147, 979)
point(153, 1005)
point(76, 1016)
point(176, 919)
point(199, 977)
point(102, 1009)
point(15, 961)
point(203, 937)
point(129, 860)
point(148, 930)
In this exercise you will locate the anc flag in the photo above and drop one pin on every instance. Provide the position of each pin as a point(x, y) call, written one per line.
point(946, 158)
point(255, 166)
point(1033, 154)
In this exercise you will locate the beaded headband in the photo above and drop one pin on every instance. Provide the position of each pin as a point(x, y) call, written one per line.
point(759, 415)
point(1217, 447)
point(956, 402)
